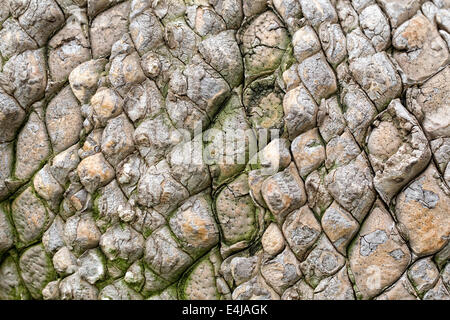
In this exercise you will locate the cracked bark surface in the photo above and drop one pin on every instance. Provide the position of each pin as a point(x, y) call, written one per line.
point(103, 194)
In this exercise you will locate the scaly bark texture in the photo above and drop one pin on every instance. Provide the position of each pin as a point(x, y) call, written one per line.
point(104, 105)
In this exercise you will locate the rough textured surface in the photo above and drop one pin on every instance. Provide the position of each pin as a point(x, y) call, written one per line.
point(224, 149)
